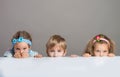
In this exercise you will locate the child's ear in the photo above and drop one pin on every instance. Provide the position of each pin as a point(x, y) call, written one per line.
point(29, 47)
point(65, 53)
point(47, 52)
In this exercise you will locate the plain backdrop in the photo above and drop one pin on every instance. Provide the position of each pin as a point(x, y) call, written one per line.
point(76, 20)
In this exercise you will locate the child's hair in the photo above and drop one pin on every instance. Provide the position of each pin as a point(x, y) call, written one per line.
point(56, 40)
point(100, 38)
point(23, 34)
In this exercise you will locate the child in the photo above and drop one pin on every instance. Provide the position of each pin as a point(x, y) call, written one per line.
point(21, 46)
point(56, 46)
point(99, 46)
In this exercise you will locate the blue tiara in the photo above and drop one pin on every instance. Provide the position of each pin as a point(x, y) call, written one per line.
point(21, 39)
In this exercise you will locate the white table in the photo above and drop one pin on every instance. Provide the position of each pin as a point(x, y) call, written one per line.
point(60, 67)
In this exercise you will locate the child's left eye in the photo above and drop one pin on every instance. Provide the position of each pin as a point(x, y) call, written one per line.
point(105, 51)
point(24, 48)
point(59, 50)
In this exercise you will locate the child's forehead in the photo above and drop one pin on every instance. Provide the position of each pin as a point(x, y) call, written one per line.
point(101, 44)
point(57, 46)
point(21, 44)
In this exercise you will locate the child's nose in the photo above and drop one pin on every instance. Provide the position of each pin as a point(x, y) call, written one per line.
point(101, 54)
point(55, 54)
point(21, 51)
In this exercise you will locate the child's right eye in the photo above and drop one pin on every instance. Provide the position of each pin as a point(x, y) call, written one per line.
point(52, 51)
point(17, 49)
point(97, 51)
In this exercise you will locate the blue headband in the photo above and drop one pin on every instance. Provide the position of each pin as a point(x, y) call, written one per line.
point(21, 39)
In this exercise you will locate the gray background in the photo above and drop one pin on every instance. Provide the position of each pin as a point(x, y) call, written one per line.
point(76, 20)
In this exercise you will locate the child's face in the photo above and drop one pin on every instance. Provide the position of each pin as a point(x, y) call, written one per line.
point(21, 47)
point(101, 50)
point(56, 51)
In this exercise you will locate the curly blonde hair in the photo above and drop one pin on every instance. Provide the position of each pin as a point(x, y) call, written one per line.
point(100, 38)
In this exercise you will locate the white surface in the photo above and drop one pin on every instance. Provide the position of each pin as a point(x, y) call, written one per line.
point(60, 67)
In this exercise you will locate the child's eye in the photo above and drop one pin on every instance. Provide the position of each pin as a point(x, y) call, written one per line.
point(17, 48)
point(24, 48)
point(59, 50)
point(105, 51)
point(97, 51)
point(52, 51)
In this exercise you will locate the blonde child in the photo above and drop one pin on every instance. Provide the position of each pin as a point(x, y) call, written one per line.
point(56, 46)
point(21, 46)
point(100, 46)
